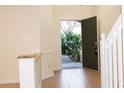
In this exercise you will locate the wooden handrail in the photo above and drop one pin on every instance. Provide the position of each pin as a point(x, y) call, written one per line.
point(36, 56)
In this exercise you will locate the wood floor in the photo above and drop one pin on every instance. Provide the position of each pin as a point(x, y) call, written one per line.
point(70, 78)
point(73, 78)
point(15, 85)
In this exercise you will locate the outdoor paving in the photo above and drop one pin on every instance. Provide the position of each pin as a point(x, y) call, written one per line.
point(67, 63)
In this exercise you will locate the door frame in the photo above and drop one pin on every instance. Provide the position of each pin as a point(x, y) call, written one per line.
point(98, 43)
point(98, 37)
point(61, 34)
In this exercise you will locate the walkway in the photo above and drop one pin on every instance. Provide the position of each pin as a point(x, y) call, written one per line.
point(67, 63)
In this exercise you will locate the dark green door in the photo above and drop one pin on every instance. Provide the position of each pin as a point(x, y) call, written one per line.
point(89, 46)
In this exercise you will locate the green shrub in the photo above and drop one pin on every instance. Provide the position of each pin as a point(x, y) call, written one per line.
point(71, 43)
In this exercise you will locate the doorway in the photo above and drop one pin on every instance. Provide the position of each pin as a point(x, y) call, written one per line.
point(71, 44)
point(79, 44)
point(73, 77)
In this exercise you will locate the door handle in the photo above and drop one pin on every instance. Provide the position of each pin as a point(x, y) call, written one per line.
point(96, 51)
point(95, 48)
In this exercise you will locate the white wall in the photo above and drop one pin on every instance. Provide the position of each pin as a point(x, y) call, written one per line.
point(107, 16)
point(19, 34)
point(25, 29)
point(46, 34)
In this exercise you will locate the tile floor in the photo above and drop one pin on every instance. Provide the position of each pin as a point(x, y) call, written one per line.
point(73, 78)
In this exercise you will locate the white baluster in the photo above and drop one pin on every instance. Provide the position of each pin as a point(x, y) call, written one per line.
point(120, 64)
point(106, 65)
point(115, 78)
point(123, 40)
point(110, 63)
point(102, 58)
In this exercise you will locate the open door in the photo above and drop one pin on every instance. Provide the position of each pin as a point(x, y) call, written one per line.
point(89, 43)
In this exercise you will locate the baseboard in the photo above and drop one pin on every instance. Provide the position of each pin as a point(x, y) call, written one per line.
point(52, 74)
point(57, 69)
point(8, 81)
point(90, 69)
point(48, 76)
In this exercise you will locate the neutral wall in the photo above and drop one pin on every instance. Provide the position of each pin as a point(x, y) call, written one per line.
point(19, 34)
point(46, 37)
point(107, 15)
point(25, 29)
point(65, 13)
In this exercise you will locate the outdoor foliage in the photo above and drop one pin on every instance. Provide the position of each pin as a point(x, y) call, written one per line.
point(71, 43)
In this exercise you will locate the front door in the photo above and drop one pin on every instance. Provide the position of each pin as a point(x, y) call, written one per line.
point(89, 43)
